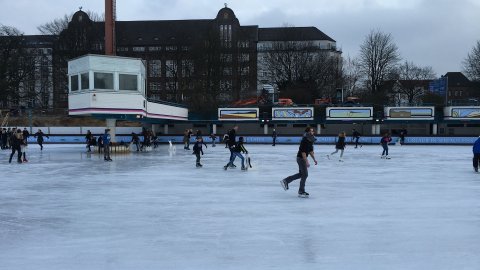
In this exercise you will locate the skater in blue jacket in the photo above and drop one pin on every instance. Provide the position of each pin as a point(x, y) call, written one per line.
point(476, 154)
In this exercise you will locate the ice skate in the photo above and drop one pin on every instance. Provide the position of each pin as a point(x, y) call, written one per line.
point(303, 194)
point(225, 167)
point(244, 168)
point(284, 184)
point(328, 156)
point(475, 169)
point(382, 156)
point(387, 157)
point(340, 160)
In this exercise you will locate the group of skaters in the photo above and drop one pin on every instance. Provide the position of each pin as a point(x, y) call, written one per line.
point(16, 140)
point(103, 143)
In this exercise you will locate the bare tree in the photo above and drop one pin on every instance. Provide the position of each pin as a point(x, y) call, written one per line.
point(378, 55)
point(471, 64)
point(352, 76)
point(17, 68)
point(412, 80)
point(56, 26)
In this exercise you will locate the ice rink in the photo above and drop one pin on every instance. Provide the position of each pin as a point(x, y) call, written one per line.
point(65, 209)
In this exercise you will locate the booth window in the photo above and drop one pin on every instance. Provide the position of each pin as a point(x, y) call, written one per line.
point(103, 80)
point(84, 80)
point(74, 82)
point(128, 82)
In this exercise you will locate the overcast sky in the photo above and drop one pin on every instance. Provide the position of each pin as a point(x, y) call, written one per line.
point(436, 33)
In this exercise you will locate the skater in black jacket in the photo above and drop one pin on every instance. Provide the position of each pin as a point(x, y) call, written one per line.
point(197, 150)
point(274, 137)
point(305, 149)
point(16, 140)
point(39, 135)
point(237, 151)
point(356, 137)
point(232, 134)
point(340, 145)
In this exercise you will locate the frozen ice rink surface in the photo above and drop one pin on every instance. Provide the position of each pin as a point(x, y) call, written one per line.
point(68, 210)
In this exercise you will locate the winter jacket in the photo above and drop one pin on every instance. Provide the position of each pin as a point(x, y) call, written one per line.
point(476, 146)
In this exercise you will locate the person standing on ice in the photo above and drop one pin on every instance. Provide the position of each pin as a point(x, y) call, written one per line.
point(305, 149)
point(476, 154)
point(106, 145)
point(274, 137)
point(356, 137)
point(197, 150)
point(340, 145)
point(386, 139)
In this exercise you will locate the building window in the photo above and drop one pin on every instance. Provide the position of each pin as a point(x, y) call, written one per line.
point(244, 57)
point(227, 71)
point(244, 71)
point(226, 35)
point(171, 48)
point(226, 58)
point(138, 49)
point(103, 80)
point(128, 82)
point(74, 83)
point(187, 68)
point(122, 49)
point(154, 68)
point(243, 44)
point(85, 82)
point(155, 48)
point(171, 68)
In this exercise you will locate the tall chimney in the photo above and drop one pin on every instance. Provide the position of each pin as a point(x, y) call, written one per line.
point(110, 27)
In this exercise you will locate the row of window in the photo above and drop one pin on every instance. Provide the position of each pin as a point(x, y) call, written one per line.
point(103, 81)
point(170, 48)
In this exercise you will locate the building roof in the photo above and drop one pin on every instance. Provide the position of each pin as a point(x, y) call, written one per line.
point(291, 33)
point(457, 79)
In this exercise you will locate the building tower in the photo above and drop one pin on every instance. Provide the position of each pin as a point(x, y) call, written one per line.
point(110, 17)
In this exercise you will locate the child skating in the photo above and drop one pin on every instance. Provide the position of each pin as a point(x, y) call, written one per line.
point(197, 150)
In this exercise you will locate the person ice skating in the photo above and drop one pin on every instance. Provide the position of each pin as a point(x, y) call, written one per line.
point(213, 138)
point(25, 134)
point(403, 133)
point(340, 145)
point(356, 137)
point(88, 139)
point(232, 136)
point(136, 141)
point(305, 149)
point(197, 150)
point(384, 142)
point(106, 145)
point(476, 154)
point(24, 146)
point(237, 151)
point(225, 139)
point(100, 143)
point(39, 135)
point(274, 137)
point(15, 142)
point(186, 139)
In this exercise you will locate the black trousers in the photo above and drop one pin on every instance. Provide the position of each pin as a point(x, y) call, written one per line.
point(476, 159)
point(302, 174)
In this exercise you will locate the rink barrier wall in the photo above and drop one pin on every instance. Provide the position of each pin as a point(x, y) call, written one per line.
point(255, 139)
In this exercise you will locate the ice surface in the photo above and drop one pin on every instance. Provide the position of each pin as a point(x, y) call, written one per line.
point(68, 210)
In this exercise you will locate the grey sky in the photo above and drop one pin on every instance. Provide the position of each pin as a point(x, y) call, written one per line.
point(437, 33)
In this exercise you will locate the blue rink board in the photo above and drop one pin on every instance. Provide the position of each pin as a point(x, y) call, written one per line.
point(280, 140)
